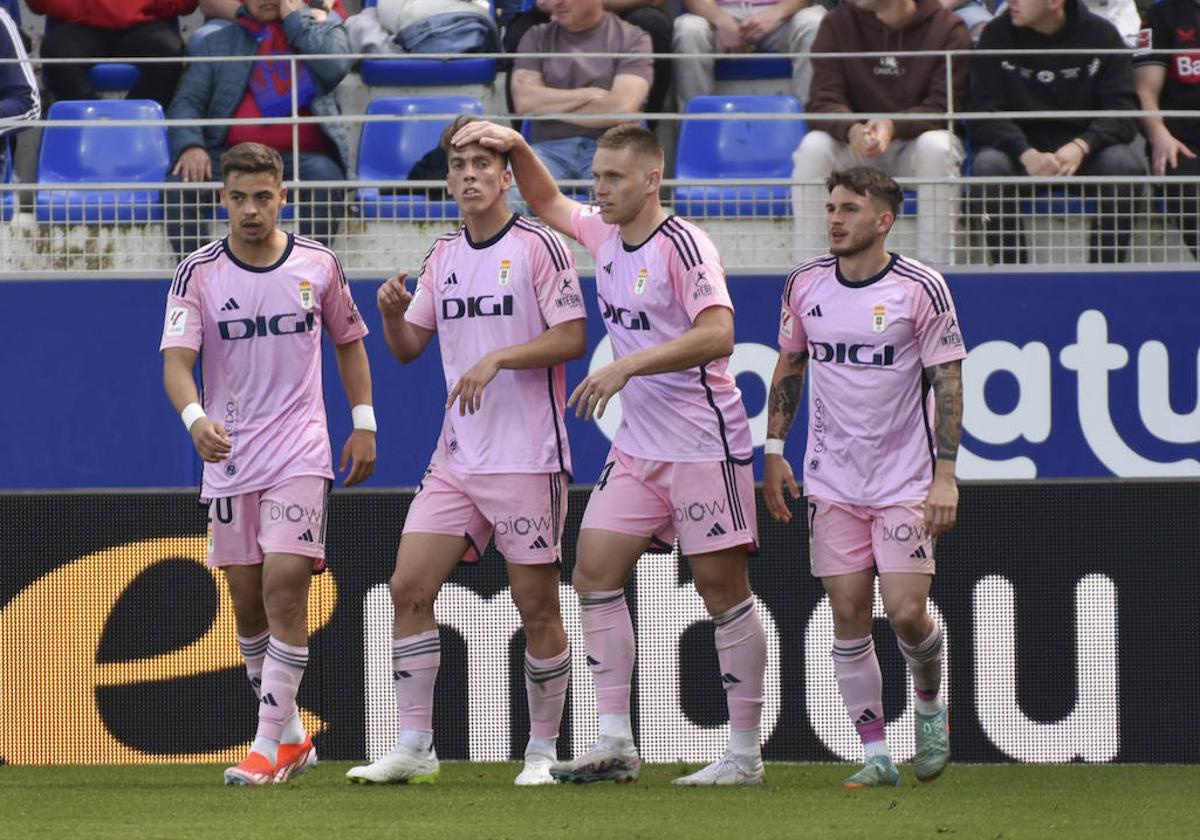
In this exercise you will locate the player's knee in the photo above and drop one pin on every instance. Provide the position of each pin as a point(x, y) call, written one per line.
point(722, 596)
point(908, 618)
point(285, 606)
point(851, 620)
point(409, 596)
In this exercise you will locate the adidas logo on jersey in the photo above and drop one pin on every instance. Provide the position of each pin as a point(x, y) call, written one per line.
point(815, 312)
point(716, 530)
point(920, 554)
point(608, 268)
point(452, 280)
point(540, 542)
point(307, 536)
point(230, 305)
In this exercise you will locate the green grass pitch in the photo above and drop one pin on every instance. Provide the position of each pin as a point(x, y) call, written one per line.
point(997, 802)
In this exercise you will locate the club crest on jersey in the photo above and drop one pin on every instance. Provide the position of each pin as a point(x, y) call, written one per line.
point(878, 321)
point(306, 294)
point(505, 270)
point(640, 285)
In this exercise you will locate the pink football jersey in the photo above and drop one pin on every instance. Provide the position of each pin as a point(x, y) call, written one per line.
point(260, 333)
point(650, 295)
point(480, 297)
point(870, 422)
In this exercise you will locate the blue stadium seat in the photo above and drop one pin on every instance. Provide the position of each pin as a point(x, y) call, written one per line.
point(739, 69)
point(737, 148)
point(417, 72)
point(113, 76)
point(387, 151)
point(98, 153)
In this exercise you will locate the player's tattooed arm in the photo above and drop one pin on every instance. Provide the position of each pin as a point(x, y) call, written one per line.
point(787, 389)
point(946, 380)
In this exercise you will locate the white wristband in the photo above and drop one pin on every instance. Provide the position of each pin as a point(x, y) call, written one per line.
point(190, 414)
point(364, 417)
point(773, 446)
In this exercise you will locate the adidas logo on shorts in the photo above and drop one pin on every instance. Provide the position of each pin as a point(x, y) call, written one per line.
point(716, 530)
point(307, 536)
point(920, 554)
point(540, 542)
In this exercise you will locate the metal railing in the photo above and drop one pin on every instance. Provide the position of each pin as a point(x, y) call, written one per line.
point(979, 221)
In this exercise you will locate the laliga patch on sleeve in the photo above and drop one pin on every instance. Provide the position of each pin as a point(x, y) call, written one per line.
point(785, 323)
point(176, 320)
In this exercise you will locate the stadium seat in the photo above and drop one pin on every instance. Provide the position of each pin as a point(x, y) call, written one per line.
point(715, 150)
point(98, 153)
point(113, 76)
point(387, 151)
point(419, 72)
point(740, 69)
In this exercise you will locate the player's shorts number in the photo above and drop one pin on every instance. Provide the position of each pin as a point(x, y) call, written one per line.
point(604, 474)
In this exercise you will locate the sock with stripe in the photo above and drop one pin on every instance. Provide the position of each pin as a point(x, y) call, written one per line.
point(254, 648)
point(861, 685)
point(415, 663)
point(742, 656)
point(546, 688)
point(925, 664)
point(283, 668)
point(608, 635)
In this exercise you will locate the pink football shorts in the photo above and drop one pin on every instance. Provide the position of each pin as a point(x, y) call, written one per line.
point(523, 512)
point(288, 518)
point(709, 505)
point(846, 538)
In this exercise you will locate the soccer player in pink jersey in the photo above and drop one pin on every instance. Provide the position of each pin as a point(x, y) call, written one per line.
point(881, 334)
point(503, 297)
point(680, 460)
point(255, 302)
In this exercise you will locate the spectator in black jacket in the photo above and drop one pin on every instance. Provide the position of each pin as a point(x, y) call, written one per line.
point(1054, 148)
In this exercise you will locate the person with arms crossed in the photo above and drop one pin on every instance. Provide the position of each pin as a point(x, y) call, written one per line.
point(255, 302)
point(683, 444)
point(503, 297)
point(881, 332)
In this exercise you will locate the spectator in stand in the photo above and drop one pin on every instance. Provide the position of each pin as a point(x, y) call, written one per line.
point(648, 15)
point(250, 90)
point(106, 29)
point(1172, 83)
point(904, 84)
point(1123, 14)
point(1054, 148)
point(221, 13)
point(742, 26)
point(18, 88)
point(579, 84)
